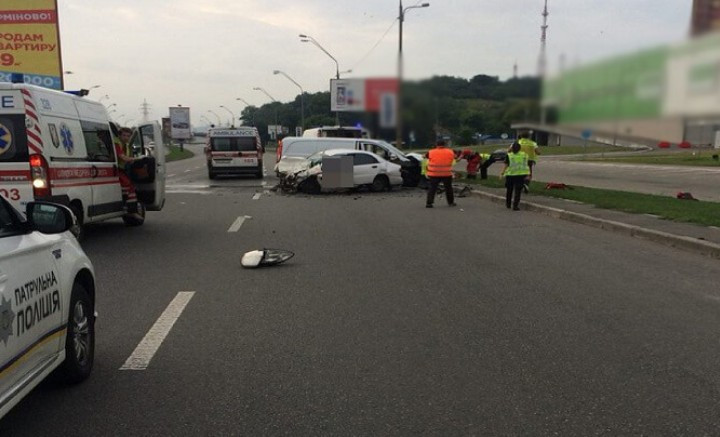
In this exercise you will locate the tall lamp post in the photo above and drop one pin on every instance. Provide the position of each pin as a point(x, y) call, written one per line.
point(257, 88)
point(247, 104)
point(232, 114)
point(216, 116)
point(398, 102)
point(306, 38)
point(302, 98)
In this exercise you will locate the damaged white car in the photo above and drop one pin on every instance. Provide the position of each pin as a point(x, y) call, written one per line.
point(369, 170)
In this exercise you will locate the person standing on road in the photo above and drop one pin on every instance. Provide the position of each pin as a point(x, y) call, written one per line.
point(440, 165)
point(530, 148)
point(516, 172)
point(123, 152)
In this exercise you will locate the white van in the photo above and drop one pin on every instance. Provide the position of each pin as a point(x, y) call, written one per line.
point(59, 147)
point(337, 132)
point(293, 151)
point(234, 151)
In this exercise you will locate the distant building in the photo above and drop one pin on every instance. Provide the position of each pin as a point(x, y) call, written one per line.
point(705, 17)
point(669, 93)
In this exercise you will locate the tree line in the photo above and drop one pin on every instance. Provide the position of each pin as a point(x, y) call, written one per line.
point(458, 108)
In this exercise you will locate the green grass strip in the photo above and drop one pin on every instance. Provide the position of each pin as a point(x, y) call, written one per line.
point(176, 154)
point(670, 208)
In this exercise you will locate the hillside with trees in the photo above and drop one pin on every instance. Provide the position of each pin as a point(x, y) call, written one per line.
point(450, 106)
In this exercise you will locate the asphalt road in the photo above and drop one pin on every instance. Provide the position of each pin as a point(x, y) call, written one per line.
point(392, 319)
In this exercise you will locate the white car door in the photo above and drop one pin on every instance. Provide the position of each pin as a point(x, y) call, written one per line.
point(365, 168)
point(31, 326)
point(147, 140)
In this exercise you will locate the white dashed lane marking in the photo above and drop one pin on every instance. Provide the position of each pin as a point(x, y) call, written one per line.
point(238, 223)
point(257, 196)
point(149, 345)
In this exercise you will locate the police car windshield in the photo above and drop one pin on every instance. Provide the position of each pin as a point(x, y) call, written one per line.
point(233, 144)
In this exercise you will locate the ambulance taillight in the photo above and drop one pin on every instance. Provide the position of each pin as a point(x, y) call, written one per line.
point(279, 150)
point(40, 176)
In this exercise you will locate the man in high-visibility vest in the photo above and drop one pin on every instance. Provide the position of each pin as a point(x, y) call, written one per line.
point(123, 154)
point(530, 148)
point(440, 165)
point(515, 172)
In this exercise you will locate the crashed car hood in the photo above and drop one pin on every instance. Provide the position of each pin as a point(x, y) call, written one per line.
point(291, 164)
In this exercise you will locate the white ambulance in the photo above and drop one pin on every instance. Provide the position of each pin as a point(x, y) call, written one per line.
point(59, 147)
point(234, 151)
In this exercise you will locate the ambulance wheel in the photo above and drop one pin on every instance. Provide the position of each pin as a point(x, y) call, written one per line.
point(135, 219)
point(380, 183)
point(259, 173)
point(80, 338)
point(77, 229)
point(211, 175)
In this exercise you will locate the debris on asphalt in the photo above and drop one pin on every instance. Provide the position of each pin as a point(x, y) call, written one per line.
point(265, 258)
point(556, 186)
point(685, 196)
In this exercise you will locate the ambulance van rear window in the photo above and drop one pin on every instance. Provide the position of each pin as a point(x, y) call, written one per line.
point(13, 139)
point(233, 144)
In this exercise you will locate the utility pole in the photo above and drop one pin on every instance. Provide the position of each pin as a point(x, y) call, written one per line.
point(542, 61)
point(145, 108)
point(398, 102)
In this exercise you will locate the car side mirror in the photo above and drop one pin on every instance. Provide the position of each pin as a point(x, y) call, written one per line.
point(265, 258)
point(49, 218)
point(393, 157)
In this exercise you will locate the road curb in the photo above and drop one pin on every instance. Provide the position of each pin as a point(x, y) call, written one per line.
point(706, 248)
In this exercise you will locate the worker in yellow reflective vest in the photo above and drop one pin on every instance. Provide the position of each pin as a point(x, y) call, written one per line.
point(515, 172)
point(424, 183)
point(440, 165)
point(530, 147)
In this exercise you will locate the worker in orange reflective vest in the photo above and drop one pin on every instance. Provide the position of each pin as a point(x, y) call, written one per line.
point(440, 165)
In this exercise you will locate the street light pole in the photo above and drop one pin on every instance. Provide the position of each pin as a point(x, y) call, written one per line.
point(398, 102)
point(247, 104)
point(257, 88)
point(302, 98)
point(306, 38)
point(232, 114)
point(216, 116)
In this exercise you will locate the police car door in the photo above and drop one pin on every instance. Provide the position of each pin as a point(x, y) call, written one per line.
point(31, 326)
point(147, 141)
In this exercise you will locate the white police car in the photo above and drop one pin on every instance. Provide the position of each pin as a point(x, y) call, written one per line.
point(47, 294)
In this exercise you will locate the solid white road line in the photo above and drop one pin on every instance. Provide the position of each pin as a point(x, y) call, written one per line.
point(257, 196)
point(238, 222)
point(146, 349)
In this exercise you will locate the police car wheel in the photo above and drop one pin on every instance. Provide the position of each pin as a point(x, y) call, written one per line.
point(80, 339)
point(135, 219)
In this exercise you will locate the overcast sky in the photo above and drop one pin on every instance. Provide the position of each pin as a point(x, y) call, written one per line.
point(206, 53)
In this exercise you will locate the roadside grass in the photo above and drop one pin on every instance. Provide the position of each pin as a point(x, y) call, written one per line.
point(544, 150)
point(175, 154)
point(700, 158)
point(670, 208)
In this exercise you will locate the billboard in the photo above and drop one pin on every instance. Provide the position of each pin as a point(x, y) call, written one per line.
point(30, 42)
point(705, 16)
point(180, 123)
point(358, 95)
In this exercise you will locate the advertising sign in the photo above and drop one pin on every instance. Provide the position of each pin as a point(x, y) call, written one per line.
point(180, 123)
point(358, 95)
point(347, 95)
point(30, 42)
point(705, 17)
